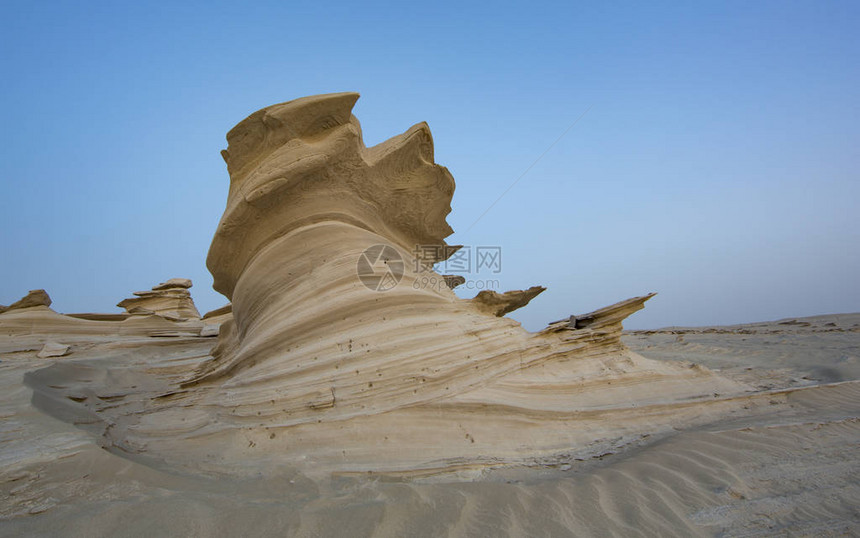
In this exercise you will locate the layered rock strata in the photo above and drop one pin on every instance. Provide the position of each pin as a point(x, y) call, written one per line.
point(33, 298)
point(170, 300)
point(336, 338)
point(31, 320)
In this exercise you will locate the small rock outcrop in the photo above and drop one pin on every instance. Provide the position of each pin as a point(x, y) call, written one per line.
point(173, 283)
point(33, 298)
point(53, 349)
point(611, 315)
point(499, 304)
point(170, 300)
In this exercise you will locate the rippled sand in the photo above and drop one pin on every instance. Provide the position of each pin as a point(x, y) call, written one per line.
point(788, 464)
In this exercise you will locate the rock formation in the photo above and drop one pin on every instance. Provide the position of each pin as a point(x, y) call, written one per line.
point(33, 298)
point(53, 349)
point(334, 334)
point(170, 300)
point(306, 200)
point(499, 304)
point(167, 312)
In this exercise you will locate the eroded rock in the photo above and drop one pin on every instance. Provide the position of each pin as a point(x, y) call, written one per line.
point(170, 300)
point(173, 283)
point(53, 349)
point(499, 304)
point(33, 298)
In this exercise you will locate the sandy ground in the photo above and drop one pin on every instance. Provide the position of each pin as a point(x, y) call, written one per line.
point(789, 467)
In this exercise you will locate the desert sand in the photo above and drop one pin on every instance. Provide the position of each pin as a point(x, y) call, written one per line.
point(337, 394)
point(786, 465)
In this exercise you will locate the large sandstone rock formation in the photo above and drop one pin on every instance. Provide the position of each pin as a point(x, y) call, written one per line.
point(316, 345)
point(309, 339)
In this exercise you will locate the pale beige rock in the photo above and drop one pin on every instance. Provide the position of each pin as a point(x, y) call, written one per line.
point(99, 317)
point(174, 283)
point(32, 320)
point(40, 324)
point(499, 304)
point(53, 349)
point(210, 329)
point(33, 298)
point(170, 300)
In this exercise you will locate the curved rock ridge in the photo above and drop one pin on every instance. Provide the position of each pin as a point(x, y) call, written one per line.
point(336, 341)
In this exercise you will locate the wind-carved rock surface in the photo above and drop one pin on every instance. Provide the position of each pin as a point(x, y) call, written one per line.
point(170, 300)
point(306, 199)
point(168, 312)
point(499, 304)
point(33, 298)
point(366, 379)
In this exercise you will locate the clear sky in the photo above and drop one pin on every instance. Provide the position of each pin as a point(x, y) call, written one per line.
point(718, 162)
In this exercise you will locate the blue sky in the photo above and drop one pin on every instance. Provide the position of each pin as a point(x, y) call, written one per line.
point(717, 164)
